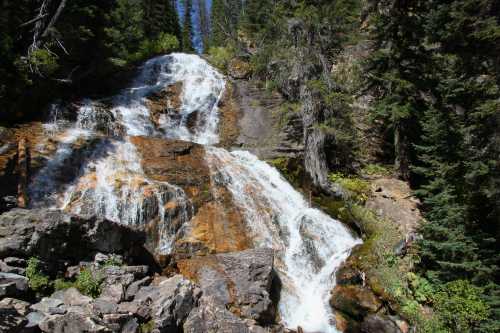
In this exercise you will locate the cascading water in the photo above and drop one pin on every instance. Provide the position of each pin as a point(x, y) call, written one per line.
point(309, 244)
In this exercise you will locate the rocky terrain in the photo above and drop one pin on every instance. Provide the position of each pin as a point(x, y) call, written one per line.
point(73, 270)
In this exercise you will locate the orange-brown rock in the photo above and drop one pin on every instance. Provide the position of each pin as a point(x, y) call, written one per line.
point(354, 300)
point(165, 101)
point(229, 116)
point(217, 225)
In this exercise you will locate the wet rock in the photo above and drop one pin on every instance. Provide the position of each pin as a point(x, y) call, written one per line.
point(379, 324)
point(354, 300)
point(210, 317)
point(217, 226)
point(241, 281)
point(166, 102)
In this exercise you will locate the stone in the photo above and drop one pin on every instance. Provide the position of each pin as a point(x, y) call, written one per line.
point(210, 317)
point(135, 286)
point(71, 297)
point(131, 326)
point(10, 319)
point(393, 200)
point(240, 280)
point(170, 302)
point(34, 319)
point(52, 234)
point(12, 285)
point(70, 322)
point(165, 102)
point(21, 306)
point(4, 267)
point(113, 293)
point(48, 305)
point(102, 306)
point(239, 69)
point(354, 300)
point(374, 323)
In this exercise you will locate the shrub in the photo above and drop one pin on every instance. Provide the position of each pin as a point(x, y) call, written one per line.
point(44, 61)
point(61, 284)
point(375, 170)
point(89, 283)
point(221, 56)
point(147, 327)
point(38, 281)
point(459, 304)
point(358, 188)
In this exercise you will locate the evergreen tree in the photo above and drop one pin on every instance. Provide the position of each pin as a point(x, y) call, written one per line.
point(187, 31)
point(160, 16)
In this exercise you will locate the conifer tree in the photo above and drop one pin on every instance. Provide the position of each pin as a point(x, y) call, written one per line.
point(187, 30)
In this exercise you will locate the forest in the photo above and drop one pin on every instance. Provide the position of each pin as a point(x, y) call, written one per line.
point(409, 89)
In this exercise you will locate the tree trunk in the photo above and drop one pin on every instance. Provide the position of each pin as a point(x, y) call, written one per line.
point(401, 160)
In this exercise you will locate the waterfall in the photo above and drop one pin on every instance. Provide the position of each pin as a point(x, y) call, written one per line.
point(309, 244)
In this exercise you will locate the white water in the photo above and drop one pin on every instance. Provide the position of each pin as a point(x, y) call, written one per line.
point(309, 245)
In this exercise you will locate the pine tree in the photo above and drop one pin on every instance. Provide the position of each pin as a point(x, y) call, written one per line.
point(204, 24)
point(160, 16)
point(187, 31)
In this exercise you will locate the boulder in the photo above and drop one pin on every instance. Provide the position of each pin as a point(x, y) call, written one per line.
point(12, 285)
point(374, 323)
point(169, 302)
point(21, 306)
point(11, 320)
point(354, 300)
point(209, 316)
point(240, 281)
point(71, 322)
point(53, 235)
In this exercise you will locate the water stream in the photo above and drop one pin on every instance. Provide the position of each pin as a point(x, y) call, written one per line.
point(309, 244)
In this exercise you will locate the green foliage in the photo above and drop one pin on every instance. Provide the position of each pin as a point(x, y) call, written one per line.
point(113, 261)
point(375, 170)
point(358, 188)
point(43, 61)
point(126, 31)
point(221, 56)
point(89, 283)
point(62, 284)
point(460, 306)
point(147, 327)
point(38, 281)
